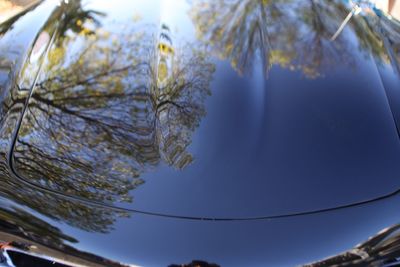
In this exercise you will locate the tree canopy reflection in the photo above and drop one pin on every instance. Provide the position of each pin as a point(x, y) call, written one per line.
point(108, 106)
point(292, 34)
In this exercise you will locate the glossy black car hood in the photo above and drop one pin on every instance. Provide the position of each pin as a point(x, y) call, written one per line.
point(211, 111)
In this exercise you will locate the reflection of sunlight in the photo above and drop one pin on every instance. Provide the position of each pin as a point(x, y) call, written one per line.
point(169, 8)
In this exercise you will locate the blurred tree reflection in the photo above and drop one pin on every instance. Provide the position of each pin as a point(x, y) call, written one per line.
point(24, 224)
point(23, 230)
point(235, 29)
point(391, 31)
point(292, 34)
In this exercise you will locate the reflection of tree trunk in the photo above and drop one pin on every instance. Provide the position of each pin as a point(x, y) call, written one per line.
point(265, 39)
point(317, 21)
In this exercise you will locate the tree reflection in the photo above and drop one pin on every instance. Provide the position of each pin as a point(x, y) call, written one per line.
point(113, 104)
point(236, 29)
point(21, 223)
point(390, 30)
point(291, 34)
point(22, 230)
point(108, 107)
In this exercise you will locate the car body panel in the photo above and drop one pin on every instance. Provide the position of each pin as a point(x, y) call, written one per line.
point(248, 136)
point(164, 111)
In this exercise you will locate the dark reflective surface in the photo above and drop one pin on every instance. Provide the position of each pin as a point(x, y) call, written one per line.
point(119, 109)
point(225, 109)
